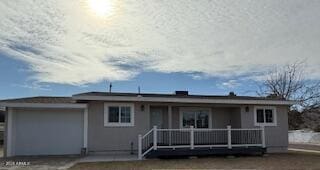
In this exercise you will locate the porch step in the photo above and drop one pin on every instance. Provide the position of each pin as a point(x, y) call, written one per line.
point(205, 151)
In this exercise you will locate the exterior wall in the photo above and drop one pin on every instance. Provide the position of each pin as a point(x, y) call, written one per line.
point(46, 131)
point(220, 117)
point(5, 134)
point(175, 118)
point(120, 138)
point(103, 139)
point(235, 117)
point(276, 136)
point(165, 117)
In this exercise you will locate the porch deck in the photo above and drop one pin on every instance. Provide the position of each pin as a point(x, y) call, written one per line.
point(167, 152)
point(191, 141)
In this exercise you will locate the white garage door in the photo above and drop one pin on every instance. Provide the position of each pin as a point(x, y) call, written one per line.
point(47, 131)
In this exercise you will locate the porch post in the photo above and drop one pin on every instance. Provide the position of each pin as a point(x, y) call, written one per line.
point(191, 137)
point(263, 137)
point(169, 122)
point(155, 138)
point(140, 147)
point(229, 137)
point(169, 117)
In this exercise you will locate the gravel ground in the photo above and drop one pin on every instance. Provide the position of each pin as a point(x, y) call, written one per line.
point(291, 160)
point(38, 163)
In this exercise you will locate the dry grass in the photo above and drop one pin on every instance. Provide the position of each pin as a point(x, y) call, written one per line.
point(291, 160)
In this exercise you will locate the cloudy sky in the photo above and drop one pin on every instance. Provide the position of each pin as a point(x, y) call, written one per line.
point(61, 47)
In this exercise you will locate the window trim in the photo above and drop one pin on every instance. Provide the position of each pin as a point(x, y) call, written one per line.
point(118, 124)
point(274, 113)
point(182, 109)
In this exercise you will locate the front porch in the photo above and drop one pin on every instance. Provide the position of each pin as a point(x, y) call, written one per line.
point(199, 129)
point(191, 141)
point(204, 116)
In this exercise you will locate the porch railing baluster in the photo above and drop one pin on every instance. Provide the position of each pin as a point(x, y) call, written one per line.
point(155, 141)
point(229, 137)
point(197, 138)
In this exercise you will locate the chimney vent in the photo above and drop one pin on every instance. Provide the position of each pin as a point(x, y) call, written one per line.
point(232, 94)
point(182, 93)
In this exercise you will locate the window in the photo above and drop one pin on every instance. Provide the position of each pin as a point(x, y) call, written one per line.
point(202, 119)
point(265, 116)
point(188, 119)
point(125, 115)
point(120, 114)
point(113, 114)
point(269, 115)
point(260, 116)
point(197, 118)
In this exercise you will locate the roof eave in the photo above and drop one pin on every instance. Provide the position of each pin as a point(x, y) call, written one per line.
point(44, 105)
point(183, 100)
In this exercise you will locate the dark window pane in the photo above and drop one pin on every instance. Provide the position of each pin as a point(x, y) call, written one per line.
point(202, 119)
point(260, 117)
point(125, 115)
point(188, 119)
point(113, 114)
point(269, 115)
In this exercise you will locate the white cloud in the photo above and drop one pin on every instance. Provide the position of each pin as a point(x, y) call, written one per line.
point(231, 84)
point(33, 86)
point(63, 42)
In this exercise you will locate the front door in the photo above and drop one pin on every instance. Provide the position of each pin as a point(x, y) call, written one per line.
point(156, 117)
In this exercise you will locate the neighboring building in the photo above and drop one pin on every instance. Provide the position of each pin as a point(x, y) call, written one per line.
point(2, 124)
point(2, 112)
point(101, 122)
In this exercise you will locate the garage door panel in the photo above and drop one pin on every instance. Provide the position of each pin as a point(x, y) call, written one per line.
point(48, 132)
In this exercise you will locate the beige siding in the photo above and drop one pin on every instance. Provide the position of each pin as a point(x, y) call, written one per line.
point(175, 118)
point(276, 136)
point(5, 135)
point(103, 138)
point(235, 117)
point(220, 117)
point(119, 138)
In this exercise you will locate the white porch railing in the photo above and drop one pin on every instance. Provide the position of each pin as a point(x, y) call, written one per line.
point(197, 138)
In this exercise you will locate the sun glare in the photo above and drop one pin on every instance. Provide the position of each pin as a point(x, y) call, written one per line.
point(101, 8)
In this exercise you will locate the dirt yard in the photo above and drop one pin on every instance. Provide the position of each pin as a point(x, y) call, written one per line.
point(291, 160)
point(305, 146)
point(37, 163)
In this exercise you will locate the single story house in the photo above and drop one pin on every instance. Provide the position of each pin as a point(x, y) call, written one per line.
point(144, 123)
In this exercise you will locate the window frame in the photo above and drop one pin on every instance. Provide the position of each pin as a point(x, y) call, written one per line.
point(264, 108)
point(188, 109)
point(119, 123)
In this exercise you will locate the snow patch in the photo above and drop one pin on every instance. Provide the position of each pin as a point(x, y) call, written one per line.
point(304, 136)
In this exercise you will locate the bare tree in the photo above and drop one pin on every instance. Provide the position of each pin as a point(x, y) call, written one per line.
point(291, 83)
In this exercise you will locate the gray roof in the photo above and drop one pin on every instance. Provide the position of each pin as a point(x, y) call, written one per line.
point(40, 99)
point(53, 100)
point(176, 96)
